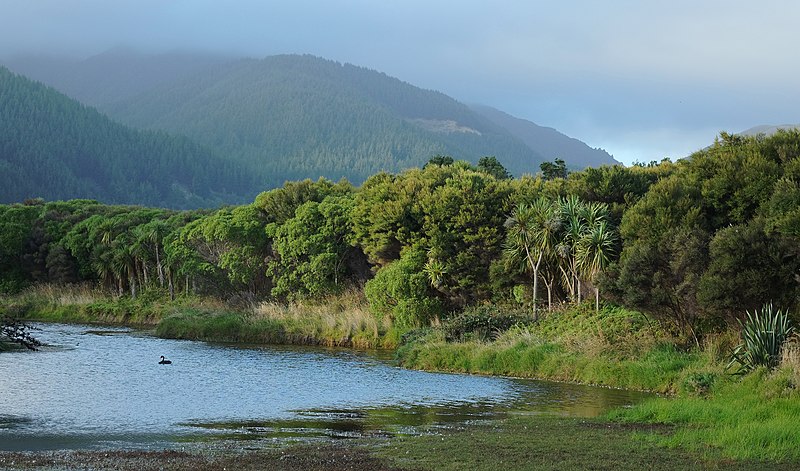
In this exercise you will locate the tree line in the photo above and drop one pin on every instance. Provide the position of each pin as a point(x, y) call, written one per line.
point(697, 242)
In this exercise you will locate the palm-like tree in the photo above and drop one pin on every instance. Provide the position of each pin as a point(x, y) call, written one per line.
point(531, 234)
point(594, 253)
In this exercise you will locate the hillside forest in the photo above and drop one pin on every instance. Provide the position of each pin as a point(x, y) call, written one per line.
point(191, 131)
point(694, 243)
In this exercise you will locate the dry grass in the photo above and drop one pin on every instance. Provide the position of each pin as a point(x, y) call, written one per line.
point(343, 319)
point(66, 295)
point(790, 355)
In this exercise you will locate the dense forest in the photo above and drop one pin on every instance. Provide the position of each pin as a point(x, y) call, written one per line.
point(297, 116)
point(694, 243)
point(53, 147)
point(293, 117)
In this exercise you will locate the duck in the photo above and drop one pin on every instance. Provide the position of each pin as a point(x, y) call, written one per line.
point(164, 361)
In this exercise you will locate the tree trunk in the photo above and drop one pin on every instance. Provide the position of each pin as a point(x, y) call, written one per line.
point(597, 299)
point(160, 269)
point(535, 288)
point(171, 288)
point(133, 287)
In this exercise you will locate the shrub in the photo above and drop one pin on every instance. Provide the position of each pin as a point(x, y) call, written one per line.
point(763, 336)
point(399, 292)
point(482, 322)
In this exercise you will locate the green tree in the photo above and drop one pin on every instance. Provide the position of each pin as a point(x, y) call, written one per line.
point(529, 237)
point(312, 249)
point(493, 167)
point(553, 170)
point(595, 251)
point(400, 292)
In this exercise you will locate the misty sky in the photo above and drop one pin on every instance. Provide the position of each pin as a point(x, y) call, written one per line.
point(642, 79)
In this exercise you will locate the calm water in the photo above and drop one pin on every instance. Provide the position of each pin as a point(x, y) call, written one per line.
point(95, 388)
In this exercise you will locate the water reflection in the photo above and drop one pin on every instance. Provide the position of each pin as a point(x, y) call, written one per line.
point(104, 387)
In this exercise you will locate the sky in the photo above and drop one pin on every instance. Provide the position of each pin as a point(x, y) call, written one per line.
point(643, 80)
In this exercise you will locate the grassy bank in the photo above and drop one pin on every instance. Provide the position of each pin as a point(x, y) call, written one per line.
point(711, 411)
point(342, 321)
point(754, 417)
point(615, 348)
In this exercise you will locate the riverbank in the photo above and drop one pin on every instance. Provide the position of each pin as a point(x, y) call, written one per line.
point(517, 442)
point(751, 417)
point(336, 321)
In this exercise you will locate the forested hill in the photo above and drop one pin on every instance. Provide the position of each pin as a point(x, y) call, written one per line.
point(548, 142)
point(53, 147)
point(300, 116)
point(296, 116)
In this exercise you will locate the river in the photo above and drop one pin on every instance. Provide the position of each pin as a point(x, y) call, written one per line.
point(96, 388)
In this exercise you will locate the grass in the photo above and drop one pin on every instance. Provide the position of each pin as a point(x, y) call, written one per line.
point(554, 443)
point(342, 321)
point(753, 417)
point(615, 348)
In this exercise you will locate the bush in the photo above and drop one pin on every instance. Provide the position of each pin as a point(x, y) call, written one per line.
point(399, 292)
point(763, 336)
point(483, 322)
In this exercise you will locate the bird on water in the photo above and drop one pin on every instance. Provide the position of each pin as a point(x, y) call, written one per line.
point(164, 361)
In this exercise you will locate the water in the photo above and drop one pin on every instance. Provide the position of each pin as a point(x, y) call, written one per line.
point(99, 388)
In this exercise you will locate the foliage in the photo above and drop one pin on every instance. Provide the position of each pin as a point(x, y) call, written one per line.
point(553, 170)
point(54, 147)
point(313, 249)
point(399, 292)
point(764, 334)
point(482, 322)
point(493, 167)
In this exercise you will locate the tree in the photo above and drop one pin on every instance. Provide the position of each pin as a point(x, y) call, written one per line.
point(594, 253)
point(440, 160)
point(553, 170)
point(529, 237)
point(400, 292)
point(312, 249)
point(493, 167)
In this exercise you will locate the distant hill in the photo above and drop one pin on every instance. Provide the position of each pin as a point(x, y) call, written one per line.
point(53, 147)
point(768, 129)
point(302, 116)
point(291, 117)
point(548, 142)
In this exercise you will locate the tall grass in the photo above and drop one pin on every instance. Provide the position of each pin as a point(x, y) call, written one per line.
point(342, 320)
